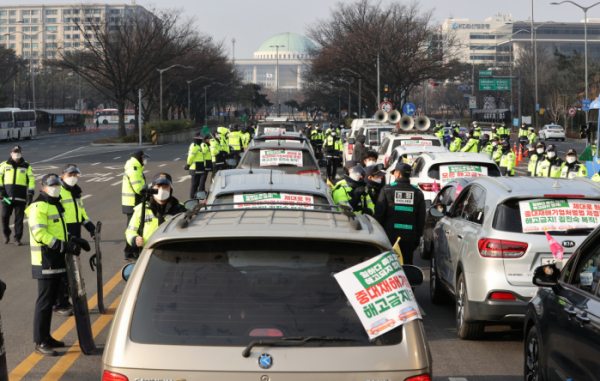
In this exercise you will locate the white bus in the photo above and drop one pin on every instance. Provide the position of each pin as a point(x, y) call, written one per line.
point(17, 124)
point(111, 115)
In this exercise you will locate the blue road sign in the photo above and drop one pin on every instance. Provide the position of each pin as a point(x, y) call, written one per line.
point(537, 107)
point(515, 121)
point(585, 105)
point(512, 108)
point(409, 109)
point(463, 87)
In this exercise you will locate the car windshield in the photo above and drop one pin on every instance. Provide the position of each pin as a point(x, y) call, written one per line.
point(557, 216)
point(253, 157)
point(270, 199)
point(229, 292)
point(434, 170)
point(411, 142)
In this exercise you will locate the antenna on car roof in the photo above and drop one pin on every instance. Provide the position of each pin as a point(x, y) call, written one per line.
point(271, 179)
point(250, 169)
point(556, 185)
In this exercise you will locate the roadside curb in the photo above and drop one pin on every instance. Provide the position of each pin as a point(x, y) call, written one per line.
point(121, 144)
point(575, 140)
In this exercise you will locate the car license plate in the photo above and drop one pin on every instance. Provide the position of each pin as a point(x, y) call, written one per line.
point(548, 261)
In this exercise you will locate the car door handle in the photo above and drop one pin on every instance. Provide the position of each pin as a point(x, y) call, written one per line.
point(583, 318)
point(570, 311)
point(460, 236)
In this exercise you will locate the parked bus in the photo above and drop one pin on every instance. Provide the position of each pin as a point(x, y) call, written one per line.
point(17, 124)
point(111, 115)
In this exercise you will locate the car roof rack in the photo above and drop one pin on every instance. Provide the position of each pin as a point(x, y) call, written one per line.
point(203, 208)
point(496, 182)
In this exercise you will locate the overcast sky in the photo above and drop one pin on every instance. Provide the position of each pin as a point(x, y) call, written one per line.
point(251, 22)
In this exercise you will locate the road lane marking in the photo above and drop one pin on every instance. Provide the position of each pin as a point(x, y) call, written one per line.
point(55, 157)
point(86, 196)
point(183, 178)
point(67, 359)
point(96, 163)
point(24, 367)
point(177, 159)
point(118, 157)
point(457, 379)
point(162, 165)
point(117, 183)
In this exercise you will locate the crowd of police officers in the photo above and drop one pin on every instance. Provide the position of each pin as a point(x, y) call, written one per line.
point(57, 215)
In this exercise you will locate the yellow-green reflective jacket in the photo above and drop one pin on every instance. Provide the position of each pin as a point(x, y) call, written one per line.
point(570, 172)
point(152, 221)
point(17, 179)
point(133, 182)
point(341, 196)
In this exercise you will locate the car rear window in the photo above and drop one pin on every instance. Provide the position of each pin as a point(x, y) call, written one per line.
point(253, 157)
point(416, 142)
point(508, 218)
point(374, 136)
point(275, 129)
point(270, 199)
point(229, 292)
point(434, 170)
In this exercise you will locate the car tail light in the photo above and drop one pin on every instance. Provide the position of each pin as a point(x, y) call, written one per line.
point(495, 248)
point(427, 187)
point(423, 377)
point(265, 332)
point(415, 138)
point(112, 376)
point(564, 196)
point(502, 296)
point(387, 158)
point(313, 171)
point(350, 148)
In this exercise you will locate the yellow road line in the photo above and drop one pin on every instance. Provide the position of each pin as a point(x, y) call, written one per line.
point(26, 365)
point(67, 360)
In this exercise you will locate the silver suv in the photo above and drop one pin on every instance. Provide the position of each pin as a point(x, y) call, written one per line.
point(480, 253)
point(250, 294)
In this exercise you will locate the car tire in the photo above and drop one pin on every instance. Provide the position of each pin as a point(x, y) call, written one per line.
point(423, 251)
point(436, 292)
point(532, 367)
point(562, 140)
point(466, 331)
point(105, 121)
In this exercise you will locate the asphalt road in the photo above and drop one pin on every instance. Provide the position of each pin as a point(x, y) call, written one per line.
point(497, 357)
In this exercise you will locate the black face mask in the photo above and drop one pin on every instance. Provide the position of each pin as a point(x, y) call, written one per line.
point(197, 141)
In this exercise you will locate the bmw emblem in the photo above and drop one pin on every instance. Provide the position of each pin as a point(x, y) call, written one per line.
point(265, 361)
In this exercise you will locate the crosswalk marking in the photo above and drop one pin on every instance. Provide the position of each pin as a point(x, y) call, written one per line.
point(183, 178)
point(177, 159)
point(96, 163)
point(162, 165)
point(118, 157)
point(117, 183)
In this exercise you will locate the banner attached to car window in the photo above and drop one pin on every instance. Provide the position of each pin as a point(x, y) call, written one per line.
point(416, 143)
point(276, 157)
point(452, 172)
point(559, 214)
point(379, 292)
point(274, 129)
point(271, 199)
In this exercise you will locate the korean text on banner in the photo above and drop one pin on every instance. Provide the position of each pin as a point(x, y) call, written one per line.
point(272, 198)
point(276, 157)
point(559, 214)
point(452, 172)
point(274, 129)
point(380, 294)
point(416, 143)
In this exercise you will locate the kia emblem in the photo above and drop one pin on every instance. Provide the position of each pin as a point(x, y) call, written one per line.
point(568, 243)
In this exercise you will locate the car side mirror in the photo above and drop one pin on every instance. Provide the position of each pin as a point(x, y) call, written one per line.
point(201, 195)
point(435, 211)
point(351, 141)
point(189, 204)
point(380, 166)
point(127, 270)
point(414, 275)
point(546, 276)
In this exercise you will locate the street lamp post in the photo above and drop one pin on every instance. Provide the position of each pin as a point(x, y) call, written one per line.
point(189, 97)
point(161, 89)
point(277, 74)
point(585, 9)
point(205, 111)
point(349, 97)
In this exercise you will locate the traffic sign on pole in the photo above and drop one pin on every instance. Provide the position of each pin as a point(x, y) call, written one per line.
point(409, 109)
point(386, 106)
point(494, 84)
point(463, 87)
point(417, 114)
point(572, 111)
point(473, 102)
point(585, 105)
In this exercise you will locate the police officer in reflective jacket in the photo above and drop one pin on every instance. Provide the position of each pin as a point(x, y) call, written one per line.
point(196, 164)
point(133, 182)
point(49, 243)
point(161, 207)
point(572, 168)
point(17, 185)
point(551, 166)
point(400, 209)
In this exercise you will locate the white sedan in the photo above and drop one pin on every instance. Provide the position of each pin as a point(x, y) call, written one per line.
point(551, 131)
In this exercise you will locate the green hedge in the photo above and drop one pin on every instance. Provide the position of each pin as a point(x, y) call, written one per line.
point(166, 126)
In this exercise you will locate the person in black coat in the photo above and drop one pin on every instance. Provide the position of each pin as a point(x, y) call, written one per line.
point(360, 151)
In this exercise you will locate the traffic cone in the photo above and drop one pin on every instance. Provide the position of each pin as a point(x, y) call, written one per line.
point(520, 155)
point(71, 131)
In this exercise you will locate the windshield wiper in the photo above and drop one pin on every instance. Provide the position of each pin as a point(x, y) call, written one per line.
point(579, 230)
point(291, 342)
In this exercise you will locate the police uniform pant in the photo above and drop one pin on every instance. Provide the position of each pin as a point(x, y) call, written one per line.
point(195, 183)
point(332, 165)
point(130, 252)
point(216, 168)
point(42, 319)
point(7, 210)
point(407, 247)
point(62, 299)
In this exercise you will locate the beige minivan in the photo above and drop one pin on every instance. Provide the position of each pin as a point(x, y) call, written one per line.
point(234, 295)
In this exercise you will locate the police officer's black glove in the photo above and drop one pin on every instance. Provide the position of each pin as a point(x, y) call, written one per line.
point(81, 242)
point(2, 192)
point(69, 248)
point(187, 167)
point(29, 199)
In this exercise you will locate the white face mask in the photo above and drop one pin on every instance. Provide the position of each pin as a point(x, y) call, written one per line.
point(162, 195)
point(53, 191)
point(378, 180)
point(571, 159)
point(355, 176)
point(551, 154)
point(16, 156)
point(540, 150)
point(144, 162)
point(370, 163)
point(70, 181)
point(494, 144)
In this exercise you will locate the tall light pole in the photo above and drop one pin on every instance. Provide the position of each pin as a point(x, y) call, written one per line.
point(205, 111)
point(277, 73)
point(189, 97)
point(161, 90)
point(349, 97)
point(585, 9)
point(233, 51)
point(378, 97)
